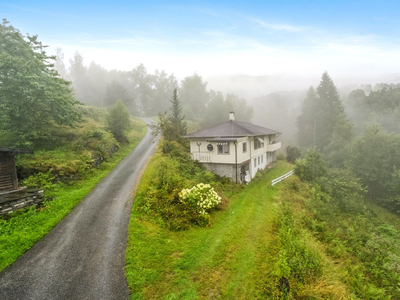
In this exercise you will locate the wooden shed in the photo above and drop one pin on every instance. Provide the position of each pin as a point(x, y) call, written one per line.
point(8, 172)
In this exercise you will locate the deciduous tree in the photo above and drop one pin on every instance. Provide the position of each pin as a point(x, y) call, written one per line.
point(33, 98)
point(119, 122)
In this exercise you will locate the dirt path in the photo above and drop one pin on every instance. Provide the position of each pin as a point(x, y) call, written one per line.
point(83, 257)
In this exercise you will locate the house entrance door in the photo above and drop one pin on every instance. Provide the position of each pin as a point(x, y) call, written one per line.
point(244, 172)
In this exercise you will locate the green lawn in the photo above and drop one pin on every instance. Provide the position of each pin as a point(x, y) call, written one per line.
point(227, 261)
point(24, 228)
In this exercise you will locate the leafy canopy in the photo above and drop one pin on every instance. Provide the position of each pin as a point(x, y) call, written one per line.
point(32, 98)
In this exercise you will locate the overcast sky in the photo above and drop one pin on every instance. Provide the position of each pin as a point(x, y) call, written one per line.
point(347, 38)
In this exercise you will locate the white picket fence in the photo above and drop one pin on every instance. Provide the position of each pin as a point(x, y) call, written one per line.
point(279, 179)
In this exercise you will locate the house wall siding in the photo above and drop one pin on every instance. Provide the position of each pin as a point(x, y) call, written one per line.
point(225, 165)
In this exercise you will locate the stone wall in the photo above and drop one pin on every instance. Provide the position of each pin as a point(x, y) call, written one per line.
point(10, 202)
point(227, 170)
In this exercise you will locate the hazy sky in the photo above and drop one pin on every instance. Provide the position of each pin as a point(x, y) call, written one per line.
point(219, 38)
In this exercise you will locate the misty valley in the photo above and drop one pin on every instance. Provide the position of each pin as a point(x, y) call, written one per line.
point(170, 181)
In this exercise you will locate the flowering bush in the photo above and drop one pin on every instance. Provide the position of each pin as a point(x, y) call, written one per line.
point(201, 197)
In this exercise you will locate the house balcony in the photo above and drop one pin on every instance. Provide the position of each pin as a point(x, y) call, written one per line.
point(203, 157)
point(273, 147)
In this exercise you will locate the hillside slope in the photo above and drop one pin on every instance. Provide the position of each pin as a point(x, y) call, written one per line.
point(269, 242)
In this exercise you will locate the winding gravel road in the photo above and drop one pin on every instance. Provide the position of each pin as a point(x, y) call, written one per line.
point(83, 257)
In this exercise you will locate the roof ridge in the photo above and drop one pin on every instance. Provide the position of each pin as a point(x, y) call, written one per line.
point(236, 122)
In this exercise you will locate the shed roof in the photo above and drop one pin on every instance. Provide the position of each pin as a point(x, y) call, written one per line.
point(232, 129)
point(15, 150)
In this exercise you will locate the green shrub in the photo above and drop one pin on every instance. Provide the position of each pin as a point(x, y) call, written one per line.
point(40, 180)
point(311, 168)
point(292, 153)
point(100, 143)
point(119, 122)
point(201, 197)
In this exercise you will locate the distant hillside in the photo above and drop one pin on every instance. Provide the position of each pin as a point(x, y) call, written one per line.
point(249, 86)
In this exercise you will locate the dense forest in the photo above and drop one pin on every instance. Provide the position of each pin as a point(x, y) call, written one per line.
point(148, 94)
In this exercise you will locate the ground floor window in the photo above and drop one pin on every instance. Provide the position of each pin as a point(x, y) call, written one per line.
point(223, 148)
point(262, 156)
point(258, 160)
point(255, 162)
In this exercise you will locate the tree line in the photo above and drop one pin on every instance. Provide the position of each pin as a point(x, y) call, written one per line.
point(38, 92)
point(145, 93)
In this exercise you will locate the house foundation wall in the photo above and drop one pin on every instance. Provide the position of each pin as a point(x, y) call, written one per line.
point(226, 170)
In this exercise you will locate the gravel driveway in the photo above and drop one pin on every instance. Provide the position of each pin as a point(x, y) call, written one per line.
point(83, 257)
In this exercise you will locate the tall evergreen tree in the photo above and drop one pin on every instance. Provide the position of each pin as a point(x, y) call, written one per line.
point(170, 126)
point(306, 122)
point(323, 115)
point(329, 108)
point(176, 117)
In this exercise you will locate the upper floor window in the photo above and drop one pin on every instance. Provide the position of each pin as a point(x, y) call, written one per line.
point(258, 142)
point(244, 147)
point(223, 148)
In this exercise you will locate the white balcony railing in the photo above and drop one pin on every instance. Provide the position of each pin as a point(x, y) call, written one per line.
point(201, 156)
point(273, 147)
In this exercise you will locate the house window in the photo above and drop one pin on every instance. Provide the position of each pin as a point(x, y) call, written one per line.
point(244, 147)
point(258, 160)
point(262, 158)
point(258, 142)
point(223, 148)
point(255, 162)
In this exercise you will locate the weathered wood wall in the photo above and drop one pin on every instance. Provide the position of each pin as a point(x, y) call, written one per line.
point(8, 176)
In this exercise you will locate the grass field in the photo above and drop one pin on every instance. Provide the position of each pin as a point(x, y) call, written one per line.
point(227, 261)
point(20, 230)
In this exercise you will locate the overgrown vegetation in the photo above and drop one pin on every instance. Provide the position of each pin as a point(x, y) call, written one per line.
point(365, 245)
point(162, 196)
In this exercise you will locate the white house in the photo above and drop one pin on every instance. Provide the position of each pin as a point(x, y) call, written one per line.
point(234, 149)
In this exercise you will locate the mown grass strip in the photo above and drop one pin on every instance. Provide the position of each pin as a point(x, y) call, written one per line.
point(225, 261)
point(25, 228)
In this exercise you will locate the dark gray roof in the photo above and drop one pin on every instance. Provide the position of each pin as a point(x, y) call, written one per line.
point(232, 129)
point(15, 150)
point(224, 139)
